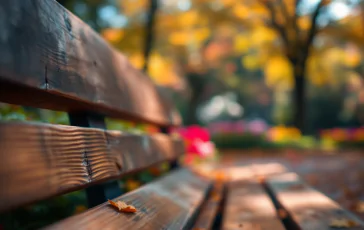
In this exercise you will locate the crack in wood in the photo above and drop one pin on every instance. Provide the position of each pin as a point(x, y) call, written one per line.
point(86, 163)
point(46, 85)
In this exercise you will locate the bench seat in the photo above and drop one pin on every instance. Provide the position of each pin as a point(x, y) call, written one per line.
point(168, 203)
point(308, 208)
point(50, 59)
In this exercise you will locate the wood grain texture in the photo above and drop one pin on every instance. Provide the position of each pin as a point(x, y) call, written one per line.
point(210, 208)
point(249, 207)
point(40, 161)
point(309, 208)
point(168, 203)
point(46, 50)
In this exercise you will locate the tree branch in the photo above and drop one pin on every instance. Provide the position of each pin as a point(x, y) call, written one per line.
point(149, 32)
point(284, 11)
point(296, 42)
point(311, 35)
point(295, 23)
point(313, 30)
point(274, 22)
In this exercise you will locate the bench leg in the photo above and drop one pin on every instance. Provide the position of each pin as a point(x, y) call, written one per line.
point(173, 164)
point(96, 194)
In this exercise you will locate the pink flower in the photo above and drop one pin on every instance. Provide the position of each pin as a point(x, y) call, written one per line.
point(222, 127)
point(358, 134)
point(195, 132)
point(197, 140)
point(257, 127)
point(201, 148)
point(240, 126)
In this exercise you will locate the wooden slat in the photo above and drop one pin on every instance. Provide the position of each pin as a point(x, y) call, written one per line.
point(239, 173)
point(39, 161)
point(210, 208)
point(309, 208)
point(58, 62)
point(168, 203)
point(267, 169)
point(249, 207)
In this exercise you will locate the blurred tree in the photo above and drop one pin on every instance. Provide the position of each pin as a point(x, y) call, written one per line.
point(153, 6)
point(297, 33)
point(222, 45)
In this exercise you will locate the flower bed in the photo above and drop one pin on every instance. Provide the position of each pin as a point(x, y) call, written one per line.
point(344, 137)
point(255, 134)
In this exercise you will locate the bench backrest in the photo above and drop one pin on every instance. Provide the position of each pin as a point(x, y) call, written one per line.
point(50, 59)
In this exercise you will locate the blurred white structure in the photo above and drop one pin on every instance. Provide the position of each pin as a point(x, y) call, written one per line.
point(220, 106)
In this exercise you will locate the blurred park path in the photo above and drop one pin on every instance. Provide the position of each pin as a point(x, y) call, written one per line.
point(339, 176)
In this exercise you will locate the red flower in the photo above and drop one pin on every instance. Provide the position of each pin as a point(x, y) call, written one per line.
point(197, 140)
point(194, 132)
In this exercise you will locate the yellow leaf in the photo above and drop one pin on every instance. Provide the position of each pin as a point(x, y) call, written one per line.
point(112, 35)
point(179, 38)
point(241, 43)
point(137, 60)
point(258, 9)
point(250, 62)
point(132, 185)
point(201, 34)
point(161, 70)
point(352, 57)
point(335, 55)
point(133, 7)
point(262, 34)
point(304, 23)
point(316, 75)
point(157, 65)
point(240, 11)
point(279, 72)
point(188, 18)
point(225, 30)
point(228, 2)
point(122, 206)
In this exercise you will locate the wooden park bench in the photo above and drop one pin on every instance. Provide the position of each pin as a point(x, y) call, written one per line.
point(51, 59)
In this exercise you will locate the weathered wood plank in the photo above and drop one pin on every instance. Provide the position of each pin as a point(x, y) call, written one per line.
point(268, 169)
point(309, 208)
point(248, 207)
point(168, 203)
point(40, 161)
point(210, 208)
point(46, 50)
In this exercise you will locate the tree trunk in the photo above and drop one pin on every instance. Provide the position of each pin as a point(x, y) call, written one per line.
point(149, 31)
point(197, 83)
point(192, 112)
point(299, 100)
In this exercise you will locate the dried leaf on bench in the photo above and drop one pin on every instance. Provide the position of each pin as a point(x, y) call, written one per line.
point(261, 179)
point(342, 223)
point(122, 206)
